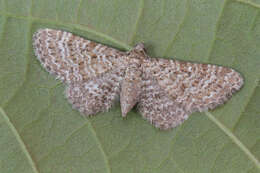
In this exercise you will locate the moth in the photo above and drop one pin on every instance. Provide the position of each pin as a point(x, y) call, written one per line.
point(166, 91)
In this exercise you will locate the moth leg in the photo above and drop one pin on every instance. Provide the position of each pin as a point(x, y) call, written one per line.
point(158, 108)
point(96, 95)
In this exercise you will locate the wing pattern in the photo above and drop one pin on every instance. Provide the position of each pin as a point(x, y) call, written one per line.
point(71, 58)
point(157, 107)
point(180, 88)
point(96, 95)
point(166, 91)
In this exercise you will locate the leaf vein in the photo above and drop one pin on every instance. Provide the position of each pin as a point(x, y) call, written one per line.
point(2, 33)
point(234, 139)
point(77, 11)
point(217, 156)
point(28, 47)
point(244, 107)
point(170, 153)
point(100, 147)
point(19, 140)
point(247, 2)
point(71, 25)
point(171, 43)
point(140, 13)
point(215, 32)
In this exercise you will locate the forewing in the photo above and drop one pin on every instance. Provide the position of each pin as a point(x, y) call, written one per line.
point(157, 107)
point(72, 58)
point(97, 95)
point(197, 87)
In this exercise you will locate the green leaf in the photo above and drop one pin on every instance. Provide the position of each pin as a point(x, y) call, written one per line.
point(41, 133)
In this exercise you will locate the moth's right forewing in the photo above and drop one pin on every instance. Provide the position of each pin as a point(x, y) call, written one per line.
point(197, 87)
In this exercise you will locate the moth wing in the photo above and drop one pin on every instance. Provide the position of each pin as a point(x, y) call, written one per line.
point(197, 87)
point(157, 107)
point(72, 58)
point(96, 95)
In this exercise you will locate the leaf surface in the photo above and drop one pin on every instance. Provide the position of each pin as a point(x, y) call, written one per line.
point(41, 133)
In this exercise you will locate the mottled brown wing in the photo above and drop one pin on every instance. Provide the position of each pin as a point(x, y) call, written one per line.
point(197, 87)
point(96, 95)
point(158, 107)
point(172, 90)
point(72, 58)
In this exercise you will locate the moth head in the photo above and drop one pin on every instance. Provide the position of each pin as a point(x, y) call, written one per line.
point(138, 51)
point(139, 47)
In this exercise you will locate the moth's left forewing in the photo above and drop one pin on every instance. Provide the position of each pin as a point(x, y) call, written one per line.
point(72, 58)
